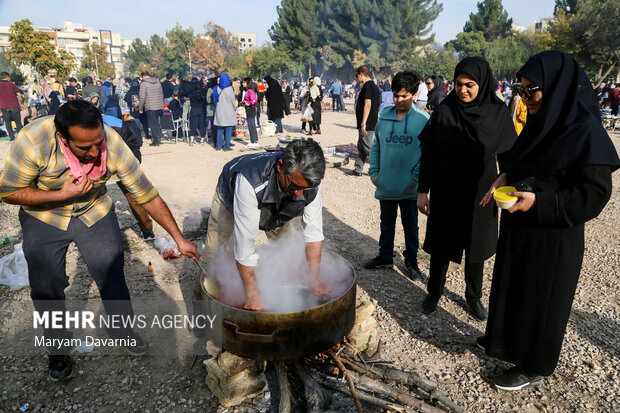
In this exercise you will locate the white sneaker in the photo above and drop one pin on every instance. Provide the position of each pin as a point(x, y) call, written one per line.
point(252, 145)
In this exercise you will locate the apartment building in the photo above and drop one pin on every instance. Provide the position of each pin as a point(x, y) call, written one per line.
point(73, 37)
point(247, 41)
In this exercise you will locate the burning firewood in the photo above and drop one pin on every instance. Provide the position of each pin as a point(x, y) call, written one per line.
point(285, 388)
point(317, 398)
point(345, 374)
point(407, 378)
point(337, 385)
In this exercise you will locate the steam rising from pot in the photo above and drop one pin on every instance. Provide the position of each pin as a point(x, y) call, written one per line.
point(282, 275)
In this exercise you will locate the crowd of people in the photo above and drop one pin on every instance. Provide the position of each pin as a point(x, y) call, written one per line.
point(558, 158)
point(433, 147)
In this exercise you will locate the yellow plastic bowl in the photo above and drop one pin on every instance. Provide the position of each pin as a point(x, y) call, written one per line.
point(502, 199)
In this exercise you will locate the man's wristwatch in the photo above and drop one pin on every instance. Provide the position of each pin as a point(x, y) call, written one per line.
point(362, 124)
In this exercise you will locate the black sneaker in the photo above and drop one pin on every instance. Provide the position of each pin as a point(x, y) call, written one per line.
point(354, 173)
point(377, 263)
point(481, 342)
point(60, 367)
point(429, 305)
point(139, 348)
point(147, 235)
point(515, 379)
point(478, 311)
point(413, 271)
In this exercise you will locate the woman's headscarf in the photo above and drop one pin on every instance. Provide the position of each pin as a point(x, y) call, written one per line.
point(567, 131)
point(224, 83)
point(485, 120)
point(315, 90)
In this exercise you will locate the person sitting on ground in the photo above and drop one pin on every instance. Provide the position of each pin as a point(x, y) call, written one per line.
point(264, 192)
point(112, 107)
point(394, 165)
point(89, 89)
point(94, 99)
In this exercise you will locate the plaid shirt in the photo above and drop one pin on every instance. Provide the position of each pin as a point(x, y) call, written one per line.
point(36, 160)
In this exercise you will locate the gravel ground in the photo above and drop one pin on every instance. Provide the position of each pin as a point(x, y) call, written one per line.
point(440, 347)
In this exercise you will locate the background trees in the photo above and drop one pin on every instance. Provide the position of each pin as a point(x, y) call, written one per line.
point(336, 33)
point(586, 29)
point(33, 49)
point(332, 37)
point(95, 60)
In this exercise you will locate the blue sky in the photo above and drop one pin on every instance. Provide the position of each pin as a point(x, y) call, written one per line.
point(238, 16)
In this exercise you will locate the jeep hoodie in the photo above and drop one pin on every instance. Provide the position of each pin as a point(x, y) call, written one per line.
point(395, 154)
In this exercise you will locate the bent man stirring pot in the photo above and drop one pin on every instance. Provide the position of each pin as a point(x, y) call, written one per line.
point(264, 192)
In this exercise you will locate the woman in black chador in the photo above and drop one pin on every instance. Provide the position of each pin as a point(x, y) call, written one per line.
point(561, 164)
point(458, 165)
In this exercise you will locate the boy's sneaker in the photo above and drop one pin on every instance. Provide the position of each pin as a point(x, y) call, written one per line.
point(252, 145)
point(60, 367)
point(516, 379)
point(147, 235)
point(377, 263)
point(139, 348)
point(413, 271)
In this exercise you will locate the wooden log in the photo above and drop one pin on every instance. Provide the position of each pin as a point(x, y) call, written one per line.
point(406, 378)
point(285, 388)
point(403, 377)
point(393, 393)
point(316, 397)
point(345, 374)
point(334, 384)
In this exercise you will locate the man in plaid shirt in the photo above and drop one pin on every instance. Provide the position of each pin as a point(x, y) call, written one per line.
point(46, 173)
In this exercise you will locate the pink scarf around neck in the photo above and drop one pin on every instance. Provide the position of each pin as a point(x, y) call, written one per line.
point(94, 169)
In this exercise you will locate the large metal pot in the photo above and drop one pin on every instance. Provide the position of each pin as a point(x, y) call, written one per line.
point(286, 336)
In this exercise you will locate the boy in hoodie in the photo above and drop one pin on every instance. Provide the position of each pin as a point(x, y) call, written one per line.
point(394, 166)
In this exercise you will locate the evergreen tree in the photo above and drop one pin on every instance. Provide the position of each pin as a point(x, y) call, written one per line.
point(491, 19)
point(566, 6)
point(298, 30)
point(138, 52)
point(174, 50)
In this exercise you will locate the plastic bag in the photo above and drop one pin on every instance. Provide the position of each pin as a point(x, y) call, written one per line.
point(167, 247)
point(14, 269)
point(307, 115)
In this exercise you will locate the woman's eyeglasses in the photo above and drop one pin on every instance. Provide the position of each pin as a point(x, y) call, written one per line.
point(527, 91)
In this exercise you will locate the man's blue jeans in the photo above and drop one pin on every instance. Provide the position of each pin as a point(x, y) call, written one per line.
point(409, 219)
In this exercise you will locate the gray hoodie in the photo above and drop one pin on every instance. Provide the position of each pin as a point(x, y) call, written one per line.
point(225, 110)
point(151, 94)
